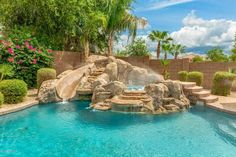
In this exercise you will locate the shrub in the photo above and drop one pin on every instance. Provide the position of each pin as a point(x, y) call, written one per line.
point(222, 83)
point(45, 74)
point(1, 99)
point(6, 70)
point(183, 75)
point(195, 76)
point(23, 52)
point(13, 90)
point(197, 59)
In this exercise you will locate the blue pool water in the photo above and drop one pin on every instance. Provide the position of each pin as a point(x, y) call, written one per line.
point(73, 130)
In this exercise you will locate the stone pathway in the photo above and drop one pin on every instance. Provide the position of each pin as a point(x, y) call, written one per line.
point(221, 103)
point(30, 100)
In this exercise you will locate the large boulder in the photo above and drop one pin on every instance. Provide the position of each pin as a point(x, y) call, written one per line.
point(115, 88)
point(112, 71)
point(47, 92)
point(123, 70)
point(103, 79)
point(158, 92)
point(175, 88)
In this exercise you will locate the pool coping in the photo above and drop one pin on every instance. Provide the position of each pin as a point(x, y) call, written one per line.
point(18, 107)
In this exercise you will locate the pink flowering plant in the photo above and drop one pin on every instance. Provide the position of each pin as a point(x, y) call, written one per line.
point(23, 52)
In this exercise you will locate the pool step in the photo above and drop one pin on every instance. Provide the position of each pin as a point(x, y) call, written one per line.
point(188, 84)
point(202, 94)
point(82, 91)
point(134, 92)
point(136, 97)
point(193, 89)
point(209, 99)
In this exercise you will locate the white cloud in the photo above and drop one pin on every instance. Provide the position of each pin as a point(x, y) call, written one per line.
point(160, 4)
point(200, 32)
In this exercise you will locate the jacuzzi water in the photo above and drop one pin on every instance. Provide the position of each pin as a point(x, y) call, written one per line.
point(73, 130)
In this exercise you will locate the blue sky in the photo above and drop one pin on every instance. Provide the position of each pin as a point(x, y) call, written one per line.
point(197, 24)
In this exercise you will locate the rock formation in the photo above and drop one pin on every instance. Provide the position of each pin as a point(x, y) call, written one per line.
point(105, 80)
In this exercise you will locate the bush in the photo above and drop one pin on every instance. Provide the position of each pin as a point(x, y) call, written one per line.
point(222, 83)
point(45, 74)
point(1, 99)
point(197, 59)
point(13, 90)
point(195, 76)
point(25, 55)
point(183, 75)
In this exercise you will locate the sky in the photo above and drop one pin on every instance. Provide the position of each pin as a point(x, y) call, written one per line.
point(197, 24)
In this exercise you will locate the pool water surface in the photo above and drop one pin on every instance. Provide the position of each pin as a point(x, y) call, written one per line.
point(73, 130)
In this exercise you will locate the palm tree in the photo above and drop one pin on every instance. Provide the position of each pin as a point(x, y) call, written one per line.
point(160, 37)
point(120, 19)
point(167, 48)
point(177, 50)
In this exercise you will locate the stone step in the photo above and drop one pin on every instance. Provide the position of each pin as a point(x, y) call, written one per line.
point(84, 91)
point(136, 97)
point(202, 94)
point(188, 84)
point(99, 70)
point(134, 92)
point(209, 99)
point(117, 101)
point(96, 73)
point(194, 89)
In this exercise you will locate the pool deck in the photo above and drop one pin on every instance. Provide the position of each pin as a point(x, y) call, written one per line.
point(225, 104)
point(30, 100)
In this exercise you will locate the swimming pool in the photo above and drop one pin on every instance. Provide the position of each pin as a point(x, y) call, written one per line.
point(73, 130)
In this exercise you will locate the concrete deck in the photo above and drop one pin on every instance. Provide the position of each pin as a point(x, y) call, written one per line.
point(30, 100)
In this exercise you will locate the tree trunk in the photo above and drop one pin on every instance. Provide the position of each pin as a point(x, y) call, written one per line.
point(110, 44)
point(158, 49)
point(86, 49)
point(176, 55)
point(165, 57)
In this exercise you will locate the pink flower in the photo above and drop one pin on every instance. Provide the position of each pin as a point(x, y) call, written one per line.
point(39, 51)
point(26, 43)
point(33, 49)
point(10, 50)
point(49, 51)
point(34, 61)
point(17, 46)
point(11, 59)
point(30, 47)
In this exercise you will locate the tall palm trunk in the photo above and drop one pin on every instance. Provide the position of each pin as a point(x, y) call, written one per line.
point(176, 55)
point(158, 49)
point(165, 57)
point(110, 44)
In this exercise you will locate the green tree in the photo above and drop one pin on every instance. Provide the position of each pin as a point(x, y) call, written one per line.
point(233, 51)
point(177, 50)
point(120, 19)
point(167, 49)
point(217, 55)
point(161, 38)
point(165, 63)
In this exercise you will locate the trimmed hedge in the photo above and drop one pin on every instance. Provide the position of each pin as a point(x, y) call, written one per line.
point(195, 76)
point(13, 90)
point(183, 75)
point(45, 74)
point(1, 99)
point(222, 83)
